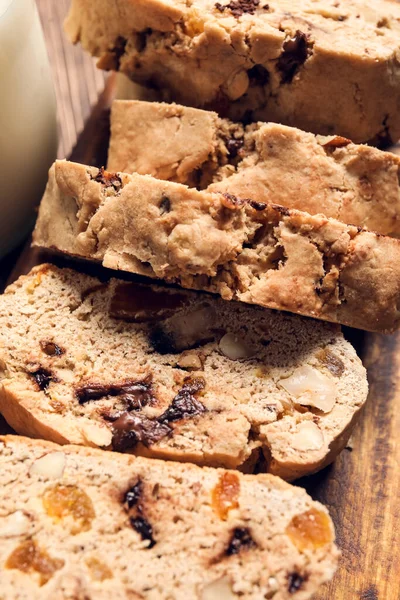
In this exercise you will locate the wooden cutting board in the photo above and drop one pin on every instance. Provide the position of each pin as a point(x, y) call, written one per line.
point(362, 488)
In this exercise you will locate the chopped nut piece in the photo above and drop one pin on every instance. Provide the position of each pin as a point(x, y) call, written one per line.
point(225, 495)
point(218, 590)
point(28, 557)
point(15, 524)
point(310, 530)
point(190, 360)
point(235, 348)
point(63, 501)
point(182, 332)
point(49, 466)
point(307, 437)
point(98, 570)
point(96, 435)
point(336, 141)
point(310, 387)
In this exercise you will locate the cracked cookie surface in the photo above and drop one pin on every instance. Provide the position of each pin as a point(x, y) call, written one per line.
point(156, 530)
point(267, 162)
point(324, 66)
point(245, 250)
point(173, 374)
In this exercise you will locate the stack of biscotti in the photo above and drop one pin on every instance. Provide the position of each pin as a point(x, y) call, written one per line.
point(263, 214)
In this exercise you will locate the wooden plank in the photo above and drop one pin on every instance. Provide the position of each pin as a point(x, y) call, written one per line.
point(77, 81)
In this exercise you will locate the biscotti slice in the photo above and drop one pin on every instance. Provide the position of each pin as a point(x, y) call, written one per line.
point(174, 374)
point(81, 523)
point(267, 162)
point(323, 66)
point(242, 249)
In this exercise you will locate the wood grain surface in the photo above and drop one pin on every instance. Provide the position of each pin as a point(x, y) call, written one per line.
point(77, 81)
point(362, 487)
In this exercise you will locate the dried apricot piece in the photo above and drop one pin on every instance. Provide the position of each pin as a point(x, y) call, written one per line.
point(225, 495)
point(62, 501)
point(310, 530)
point(98, 570)
point(28, 557)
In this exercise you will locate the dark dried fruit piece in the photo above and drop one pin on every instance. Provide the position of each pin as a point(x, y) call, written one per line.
point(332, 362)
point(239, 7)
point(143, 303)
point(165, 205)
point(135, 394)
point(143, 527)
point(112, 59)
point(108, 179)
point(132, 496)
point(295, 581)
point(295, 54)
point(241, 539)
point(257, 205)
point(383, 138)
point(129, 429)
point(51, 349)
point(258, 75)
point(232, 202)
point(185, 404)
point(233, 146)
point(43, 378)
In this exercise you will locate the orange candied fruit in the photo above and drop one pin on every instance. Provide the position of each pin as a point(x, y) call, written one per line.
point(62, 501)
point(98, 570)
point(310, 530)
point(28, 557)
point(225, 495)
